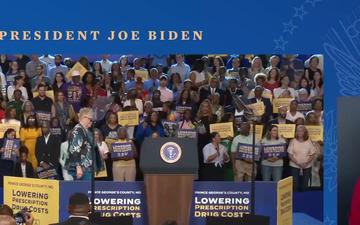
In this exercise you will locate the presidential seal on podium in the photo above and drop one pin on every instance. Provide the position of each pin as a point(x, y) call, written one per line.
point(170, 152)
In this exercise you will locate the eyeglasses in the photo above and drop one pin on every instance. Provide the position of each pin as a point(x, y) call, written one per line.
point(89, 118)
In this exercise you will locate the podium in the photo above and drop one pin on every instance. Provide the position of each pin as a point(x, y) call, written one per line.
point(169, 166)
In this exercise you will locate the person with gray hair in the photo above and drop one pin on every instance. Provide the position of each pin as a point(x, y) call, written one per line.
point(80, 160)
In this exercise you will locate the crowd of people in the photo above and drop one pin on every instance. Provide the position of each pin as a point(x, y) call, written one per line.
point(53, 107)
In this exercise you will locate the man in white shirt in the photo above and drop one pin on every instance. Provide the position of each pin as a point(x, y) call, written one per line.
point(48, 59)
point(180, 67)
point(215, 156)
point(166, 94)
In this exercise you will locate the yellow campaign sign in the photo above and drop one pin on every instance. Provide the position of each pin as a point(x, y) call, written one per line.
point(286, 130)
point(316, 133)
point(5, 126)
point(224, 129)
point(49, 94)
point(128, 118)
point(268, 95)
point(284, 201)
point(258, 131)
point(277, 102)
point(40, 196)
point(258, 108)
point(143, 74)
point(77, 67)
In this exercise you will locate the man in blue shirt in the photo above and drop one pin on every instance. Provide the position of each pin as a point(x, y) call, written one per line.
point(130, 80)
point(153, 83)
point(180, 67)
point(57, 68)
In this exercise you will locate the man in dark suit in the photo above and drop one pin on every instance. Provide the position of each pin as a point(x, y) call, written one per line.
point(79, 209)
point(212, 88)
point(24, 168)
point(232, 90)
point(47, 148)
point(267, 103)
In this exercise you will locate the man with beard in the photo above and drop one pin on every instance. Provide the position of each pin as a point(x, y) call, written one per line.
point(57, 68)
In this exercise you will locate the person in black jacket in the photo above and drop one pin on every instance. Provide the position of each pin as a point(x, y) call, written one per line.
point(267, 103)
point(47, 148)
point(79, 209)
point(23, 168)
point(212, 88)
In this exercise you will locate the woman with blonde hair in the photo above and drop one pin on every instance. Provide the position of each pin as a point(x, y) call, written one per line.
point(302, 152)
point(28, 109)
point(256, 67)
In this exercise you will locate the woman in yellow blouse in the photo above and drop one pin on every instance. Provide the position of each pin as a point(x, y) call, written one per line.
point(28, 135)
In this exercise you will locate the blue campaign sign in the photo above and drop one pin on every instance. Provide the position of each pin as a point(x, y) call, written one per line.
point(111, 199)
point(221, 199)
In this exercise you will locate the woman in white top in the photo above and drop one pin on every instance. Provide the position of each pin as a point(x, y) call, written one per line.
point(284, 85)
point(103, 148)
point(215, 157)
point(293, 114)
point(301, 152)
point(18, 85)
point(133, 101)
point(272, 167)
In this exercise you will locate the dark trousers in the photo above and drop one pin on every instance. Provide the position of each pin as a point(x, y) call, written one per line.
point(211, 173)
point(301, 183)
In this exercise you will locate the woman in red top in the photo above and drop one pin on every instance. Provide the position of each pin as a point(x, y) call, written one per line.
point(272, 79)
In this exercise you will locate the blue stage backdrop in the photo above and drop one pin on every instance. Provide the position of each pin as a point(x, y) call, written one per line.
point(330, 27)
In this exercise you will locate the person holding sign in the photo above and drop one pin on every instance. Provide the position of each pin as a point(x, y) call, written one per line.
point(215, 156)
point(133, 101)
point(185, 102)
point(187, 122)
point(47, 149)
point(123, 153)
point(301, 152)
point(259, 98)
point(43, 105)
point(280, 119)
point(242, 167)
point(10, 145)
point(272, 163)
